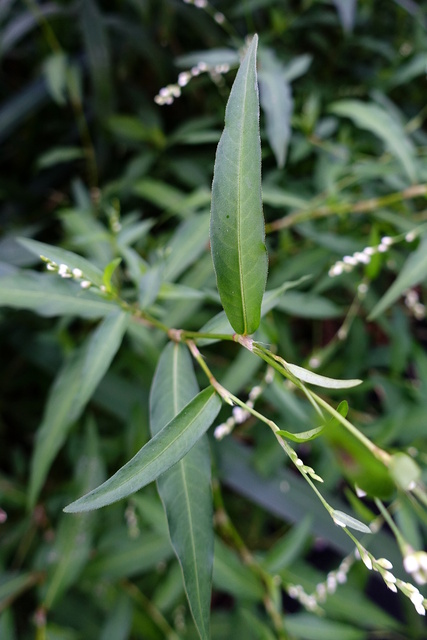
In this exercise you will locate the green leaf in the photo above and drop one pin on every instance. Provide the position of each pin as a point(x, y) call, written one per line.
point(320, 381)
point(185, 489)
point(413, 272)
point(161, 452)
point(55, 72)
point(276, 102)
point(109, 271)
point(72, 389)
point(233, 577)
point(237, 223)
point(50, 295)
point(58, 155)
point(187, 244)
point(404, 471)
point(343, 520)
point(62, 256)
point(379, 122)
point(302, 436)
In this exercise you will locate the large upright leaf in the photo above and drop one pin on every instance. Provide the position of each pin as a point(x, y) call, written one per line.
point(413, 272)
point(72, 389)
point(157, 456)
point(185, 489)
point(378, 121)
point(237, 223)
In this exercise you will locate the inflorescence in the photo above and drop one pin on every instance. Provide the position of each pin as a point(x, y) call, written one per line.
point(65, 272)
point(348, 263)
point(383, 566)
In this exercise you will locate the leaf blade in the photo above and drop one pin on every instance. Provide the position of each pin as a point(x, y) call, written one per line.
point(237, 223)
point(185, 489)
point(158, 455)
point(72, 389)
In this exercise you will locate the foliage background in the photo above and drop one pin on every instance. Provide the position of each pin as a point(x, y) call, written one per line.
point(81, 132)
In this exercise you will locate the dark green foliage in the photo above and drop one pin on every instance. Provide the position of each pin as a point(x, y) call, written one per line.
point(111, 184)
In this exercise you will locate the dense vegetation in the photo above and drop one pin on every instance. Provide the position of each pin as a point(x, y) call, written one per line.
point(110, 118)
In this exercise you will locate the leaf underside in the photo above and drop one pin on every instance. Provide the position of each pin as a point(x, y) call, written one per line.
point(185, 489)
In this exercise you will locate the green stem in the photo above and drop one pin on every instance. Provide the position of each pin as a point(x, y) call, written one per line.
point(154, 613)
point(363, 206)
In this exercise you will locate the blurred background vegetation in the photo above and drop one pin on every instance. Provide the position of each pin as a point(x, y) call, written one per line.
point(94, 161)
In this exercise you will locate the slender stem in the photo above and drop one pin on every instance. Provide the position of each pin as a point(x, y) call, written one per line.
point(153, 612)
point(228, 531)
point(363, 206)
point(387, 517)
point(380, 454)
point(76, 104)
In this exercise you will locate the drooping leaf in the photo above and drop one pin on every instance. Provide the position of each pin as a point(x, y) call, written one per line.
point(50, 295)
point(237, 223)
point(185, 489)
point(161, 452)
point(276, 102)
point(321, 381)
point(72, 389)
point(412, 273)
point(378, 121)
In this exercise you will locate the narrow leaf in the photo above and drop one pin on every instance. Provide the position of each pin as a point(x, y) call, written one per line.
point(413, 272)
point(347, 13)
point(302, 436)
point(185, 489)
point(161, 452)
point(276, 102)
point(237, 223)
point(378, 121)
point(109, 271)
point(72, 389)
point(320, 381)
point(50, 295)
point(343, 520)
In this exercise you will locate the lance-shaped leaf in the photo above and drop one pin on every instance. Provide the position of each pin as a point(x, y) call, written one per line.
point(72, 389)
point(237, 222)
point(159, 454)
point(320, 381)
point(185, 489)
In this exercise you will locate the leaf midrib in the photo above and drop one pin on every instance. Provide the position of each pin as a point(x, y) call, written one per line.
point(239, 212)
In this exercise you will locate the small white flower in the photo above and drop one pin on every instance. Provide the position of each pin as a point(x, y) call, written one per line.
point(366, 559)
point(219, 17)
point(389, 577)
point(387, 240)
point(299, 462)
point(195, 71)
point(51, 266)
point(77, 273)
point(85, 284)
point(382, 248)
point(184, 78)
point(200, 4)
point(384, 563)
point(255, 392)
point(410, 237)
point(331, 583)
point(221, 431)
point(391, 586)
point(350, 260)
point(410, 563)
point(63, 270)
point(369, 251)
point(240, 415)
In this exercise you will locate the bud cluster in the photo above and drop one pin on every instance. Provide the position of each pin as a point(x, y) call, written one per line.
point(168, 94)
point(348, 263)
point(66, 272)
point(240, 415)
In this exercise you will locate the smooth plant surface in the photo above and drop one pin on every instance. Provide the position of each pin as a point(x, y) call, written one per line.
point(212, 299)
